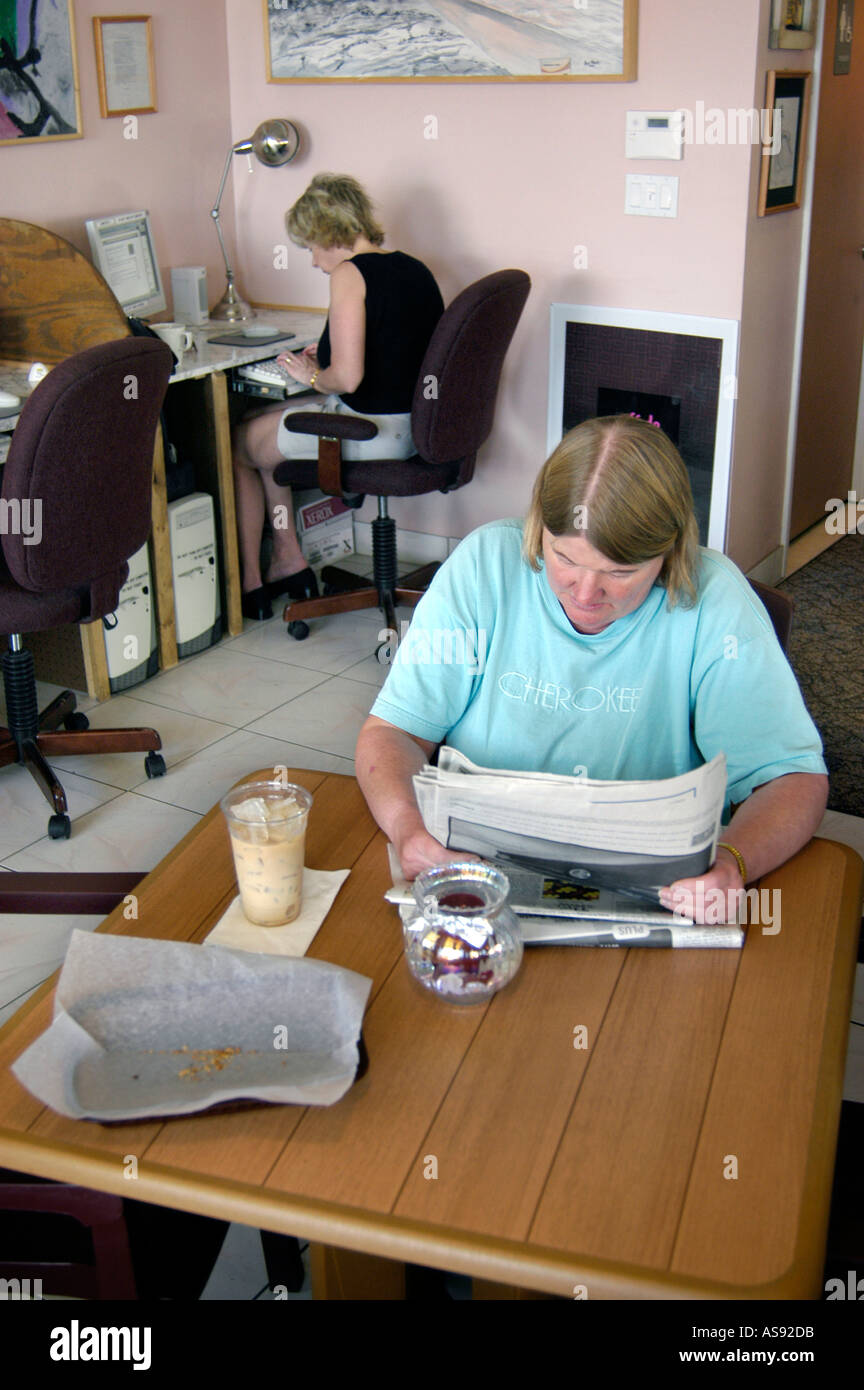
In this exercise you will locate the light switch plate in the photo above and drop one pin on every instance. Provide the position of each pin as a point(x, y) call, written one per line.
point(651, 195)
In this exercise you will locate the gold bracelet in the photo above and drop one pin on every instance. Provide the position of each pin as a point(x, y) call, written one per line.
point(315, 375)
point(738, 857)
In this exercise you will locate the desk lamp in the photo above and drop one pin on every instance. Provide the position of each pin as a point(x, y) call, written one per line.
point(274, 143)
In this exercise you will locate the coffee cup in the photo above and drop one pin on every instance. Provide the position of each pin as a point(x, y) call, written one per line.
point(176, 335)
point(267, 826)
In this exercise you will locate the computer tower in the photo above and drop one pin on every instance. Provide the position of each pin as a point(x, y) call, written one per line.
point(130, 646)
point(197, 607)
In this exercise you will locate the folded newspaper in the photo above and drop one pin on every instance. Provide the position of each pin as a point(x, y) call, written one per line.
point(586, 854)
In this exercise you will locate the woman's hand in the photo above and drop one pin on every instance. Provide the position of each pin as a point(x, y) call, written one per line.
point(299, 366)
point(419, 850)
point(710, 900)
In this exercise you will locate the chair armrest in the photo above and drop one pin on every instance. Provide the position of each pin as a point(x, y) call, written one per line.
point(330, 426)
point(330, 430)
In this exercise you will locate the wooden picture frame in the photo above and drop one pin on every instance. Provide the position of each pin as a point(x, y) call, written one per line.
point(124, 64)
point(39, 94)
point(793, 23)
point(787, 98)
point(464, 41)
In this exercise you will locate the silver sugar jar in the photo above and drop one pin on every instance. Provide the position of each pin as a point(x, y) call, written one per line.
point(467, 944)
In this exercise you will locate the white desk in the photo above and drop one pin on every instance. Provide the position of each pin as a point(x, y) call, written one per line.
point(198, 401)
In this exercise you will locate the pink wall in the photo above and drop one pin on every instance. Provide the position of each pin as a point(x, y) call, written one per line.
point(519, 175)
point(173, 167)
point(768, 328)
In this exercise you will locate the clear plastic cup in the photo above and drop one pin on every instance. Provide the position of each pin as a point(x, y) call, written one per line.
point(267, 826)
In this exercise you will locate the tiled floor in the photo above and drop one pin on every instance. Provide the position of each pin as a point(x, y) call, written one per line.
point(255, 700)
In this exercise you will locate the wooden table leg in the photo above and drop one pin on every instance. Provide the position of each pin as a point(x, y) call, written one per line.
point(163, 572)
point(346, 1274)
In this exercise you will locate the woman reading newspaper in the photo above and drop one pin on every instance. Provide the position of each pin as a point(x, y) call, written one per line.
point(597, 637)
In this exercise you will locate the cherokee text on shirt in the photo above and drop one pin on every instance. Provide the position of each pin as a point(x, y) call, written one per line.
point(545, 694)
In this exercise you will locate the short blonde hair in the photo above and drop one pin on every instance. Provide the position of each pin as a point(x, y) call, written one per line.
point(334, 211)
point(621, 483)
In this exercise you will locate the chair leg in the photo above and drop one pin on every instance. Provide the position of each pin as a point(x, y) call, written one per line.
point(53, 715)
point(75, 741)
point(31, 756)
point(343, 581)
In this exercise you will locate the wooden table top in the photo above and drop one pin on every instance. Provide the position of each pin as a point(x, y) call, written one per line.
point(685, 1152)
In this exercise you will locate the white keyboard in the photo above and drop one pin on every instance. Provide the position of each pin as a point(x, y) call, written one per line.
point(269, 373)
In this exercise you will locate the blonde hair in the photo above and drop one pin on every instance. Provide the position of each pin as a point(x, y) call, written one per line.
point(621, 483)
point(334, 211)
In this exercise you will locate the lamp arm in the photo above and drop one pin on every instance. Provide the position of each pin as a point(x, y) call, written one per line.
point(214, 211)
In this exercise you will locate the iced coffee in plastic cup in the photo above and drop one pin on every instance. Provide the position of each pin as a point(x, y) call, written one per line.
point(267, 825)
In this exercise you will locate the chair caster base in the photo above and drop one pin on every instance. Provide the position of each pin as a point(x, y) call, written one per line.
point(298, 630)
point(154, 765)
point(59, 827)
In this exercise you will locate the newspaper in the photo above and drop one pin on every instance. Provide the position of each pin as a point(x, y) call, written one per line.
point(576, 847)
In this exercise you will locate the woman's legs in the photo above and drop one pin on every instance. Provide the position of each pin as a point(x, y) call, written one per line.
point(256, 495)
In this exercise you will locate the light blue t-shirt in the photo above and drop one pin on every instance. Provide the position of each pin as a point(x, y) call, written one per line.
point(492, 666)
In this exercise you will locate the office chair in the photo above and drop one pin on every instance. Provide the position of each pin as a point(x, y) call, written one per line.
point(451, 416)
point(79, 473)
point(780, 609)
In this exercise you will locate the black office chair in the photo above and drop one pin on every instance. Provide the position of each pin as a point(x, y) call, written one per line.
point(81, 462)
point(451, 416)
point(780, 607)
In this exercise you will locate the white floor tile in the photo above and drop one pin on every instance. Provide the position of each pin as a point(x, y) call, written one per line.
point(131, 832)
point(181, 734)
point(201, 781)
point(332, 646)
point(228, 686)
point(24, 811)
point(328, 718)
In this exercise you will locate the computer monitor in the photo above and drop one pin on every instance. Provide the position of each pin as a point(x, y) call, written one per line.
point(123, 251)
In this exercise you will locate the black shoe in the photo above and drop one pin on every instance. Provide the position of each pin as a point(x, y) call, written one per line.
point(256, 604)
point(295, 587)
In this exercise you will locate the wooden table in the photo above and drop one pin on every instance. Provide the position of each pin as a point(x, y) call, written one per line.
point(685, 1152)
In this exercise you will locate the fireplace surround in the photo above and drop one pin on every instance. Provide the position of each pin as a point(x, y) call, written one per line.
point(677, 369)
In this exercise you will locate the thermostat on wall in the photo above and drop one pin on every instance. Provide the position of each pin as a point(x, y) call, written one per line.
point(655, 135)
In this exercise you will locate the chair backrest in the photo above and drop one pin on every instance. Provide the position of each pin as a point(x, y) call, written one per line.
point(81, 458)
point(454, 400)
point(780, 609)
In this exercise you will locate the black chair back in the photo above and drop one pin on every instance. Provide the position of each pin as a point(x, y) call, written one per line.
point(454, 400)
point(83, 453)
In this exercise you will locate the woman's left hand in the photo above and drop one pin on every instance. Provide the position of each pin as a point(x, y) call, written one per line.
point(710, 900)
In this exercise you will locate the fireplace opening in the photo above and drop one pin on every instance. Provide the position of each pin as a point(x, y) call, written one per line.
point(675, 369)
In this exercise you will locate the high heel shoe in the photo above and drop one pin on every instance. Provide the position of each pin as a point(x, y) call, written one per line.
point(295, 586)
point(256, 604)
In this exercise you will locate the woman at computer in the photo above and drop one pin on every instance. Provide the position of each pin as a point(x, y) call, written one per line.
point(384, 306)
point(612, 645)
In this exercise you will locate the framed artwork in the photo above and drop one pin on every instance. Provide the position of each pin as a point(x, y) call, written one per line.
point(39, 96)
point(843, 38)
point(452, 40)
point(124, 64)
point(793, 23)
point(787, 97)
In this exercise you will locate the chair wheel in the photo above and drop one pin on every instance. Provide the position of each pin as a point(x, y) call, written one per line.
point(154, 765)
point(298, 630)
point(76, 720)
point(60, 826)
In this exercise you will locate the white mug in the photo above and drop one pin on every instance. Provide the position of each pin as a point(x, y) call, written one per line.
point(176, 335)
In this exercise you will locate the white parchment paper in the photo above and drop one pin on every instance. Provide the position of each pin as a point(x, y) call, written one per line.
point(147, 1028)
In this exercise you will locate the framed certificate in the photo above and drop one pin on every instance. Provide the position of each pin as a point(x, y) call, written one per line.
point(124, 63)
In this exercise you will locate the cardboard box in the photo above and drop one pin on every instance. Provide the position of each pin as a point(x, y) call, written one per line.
point(325, 527)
